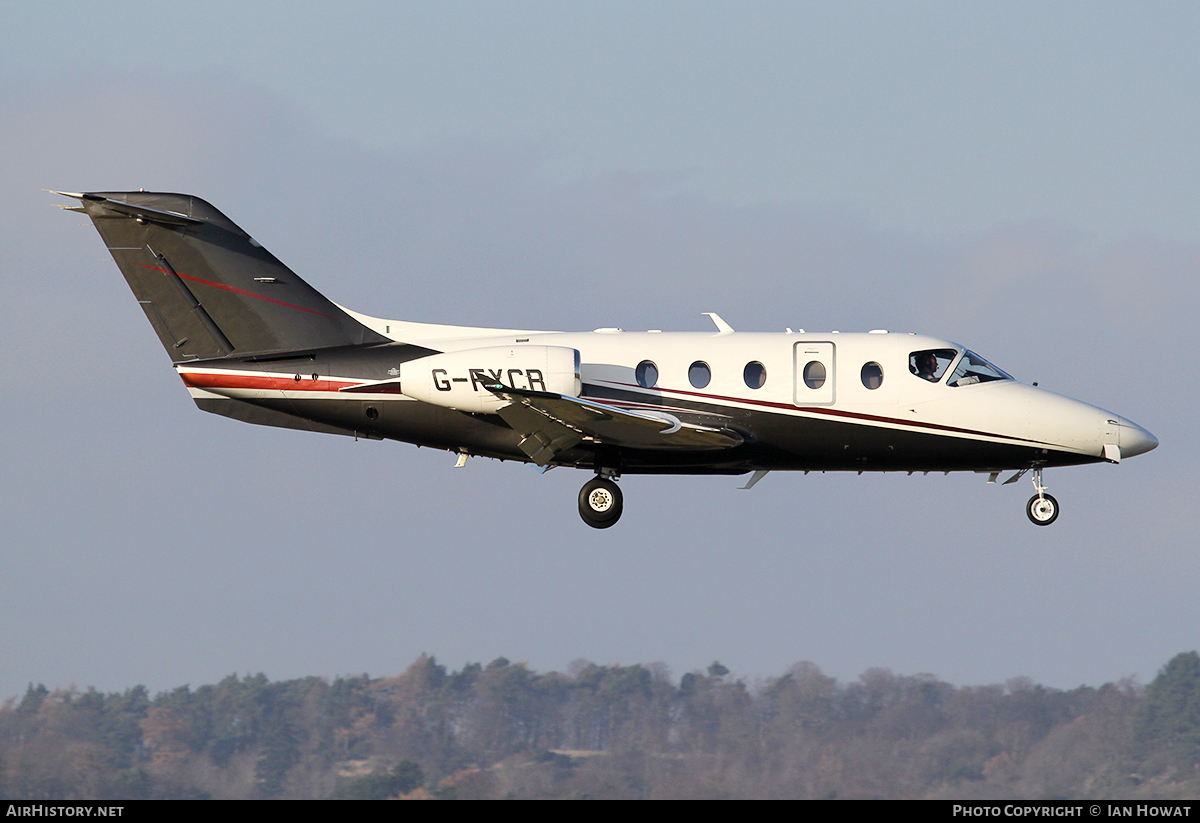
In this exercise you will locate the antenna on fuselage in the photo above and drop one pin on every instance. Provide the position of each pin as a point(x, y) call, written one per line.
point(722, 326)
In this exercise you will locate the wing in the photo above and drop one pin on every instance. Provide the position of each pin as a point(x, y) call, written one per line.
point(551, 423)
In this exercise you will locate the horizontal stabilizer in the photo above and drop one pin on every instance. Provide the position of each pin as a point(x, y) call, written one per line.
point(141, 212)
point(551, 423)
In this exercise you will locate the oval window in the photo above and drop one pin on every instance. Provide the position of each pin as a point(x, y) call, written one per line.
point(872, 375)
point(699, 374)
point(814, 374)
point(755, 375)
point(646, 374)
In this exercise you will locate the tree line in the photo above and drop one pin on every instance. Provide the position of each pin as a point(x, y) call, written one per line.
point(504, 730)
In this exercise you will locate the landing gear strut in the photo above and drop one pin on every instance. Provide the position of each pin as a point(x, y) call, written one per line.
point(1041, 508)
point(600, 503)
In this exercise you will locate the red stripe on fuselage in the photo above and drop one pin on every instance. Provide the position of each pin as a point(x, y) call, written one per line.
point(841, 413)
point(208, 380)
point(236, 290)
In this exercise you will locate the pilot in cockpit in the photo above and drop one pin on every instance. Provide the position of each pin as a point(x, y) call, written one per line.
point(927, 366)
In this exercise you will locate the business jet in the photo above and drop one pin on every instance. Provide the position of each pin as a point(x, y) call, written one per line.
point(254, 342)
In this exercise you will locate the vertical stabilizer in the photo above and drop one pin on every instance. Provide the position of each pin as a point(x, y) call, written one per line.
point(208, 289)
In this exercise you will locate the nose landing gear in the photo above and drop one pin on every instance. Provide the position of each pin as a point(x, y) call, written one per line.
point(600, 503)
point(1041, 508)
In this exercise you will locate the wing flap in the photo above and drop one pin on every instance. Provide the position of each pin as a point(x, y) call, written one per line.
point(551, 423)
point(542, 437)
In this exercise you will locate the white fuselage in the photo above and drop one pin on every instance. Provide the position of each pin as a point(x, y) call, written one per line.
point(870, 397)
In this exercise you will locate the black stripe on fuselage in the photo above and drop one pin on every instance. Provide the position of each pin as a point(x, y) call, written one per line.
point(841, 441)
point(775, 440)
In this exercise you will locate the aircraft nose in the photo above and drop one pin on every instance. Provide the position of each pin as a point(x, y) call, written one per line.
point(1134, 439)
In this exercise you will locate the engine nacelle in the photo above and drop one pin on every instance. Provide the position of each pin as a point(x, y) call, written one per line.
point(456, 379)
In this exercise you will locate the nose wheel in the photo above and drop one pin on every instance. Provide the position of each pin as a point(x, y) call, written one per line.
point(1041, 508)
point(600, 503)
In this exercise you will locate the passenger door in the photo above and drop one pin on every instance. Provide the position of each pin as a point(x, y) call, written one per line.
point(813, 374)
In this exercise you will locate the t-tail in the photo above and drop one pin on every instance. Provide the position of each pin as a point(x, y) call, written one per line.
point(208, 289)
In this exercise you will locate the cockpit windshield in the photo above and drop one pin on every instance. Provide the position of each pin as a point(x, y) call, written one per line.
point(931, 364)
point(974, 369)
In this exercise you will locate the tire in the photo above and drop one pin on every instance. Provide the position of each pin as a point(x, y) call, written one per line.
point(1042, 510)
point(600, 503)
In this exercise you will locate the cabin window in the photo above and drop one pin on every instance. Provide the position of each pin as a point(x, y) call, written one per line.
point(699, 374)
point(755, 375)
point(646, 374)
point(974, 369)
point(931, 364)
point(814, 374)
point(872, 375)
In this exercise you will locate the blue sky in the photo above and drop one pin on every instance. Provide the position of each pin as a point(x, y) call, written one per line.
point(1018, 177)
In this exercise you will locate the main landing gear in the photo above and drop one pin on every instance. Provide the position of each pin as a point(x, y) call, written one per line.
point(1041, 508)
point(600, 503)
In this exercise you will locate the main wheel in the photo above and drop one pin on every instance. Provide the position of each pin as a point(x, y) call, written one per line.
point(1042, 510)
point(600, 503)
